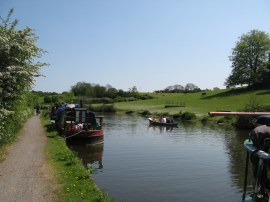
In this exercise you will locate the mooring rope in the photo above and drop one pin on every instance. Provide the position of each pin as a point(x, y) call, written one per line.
point(75, 134)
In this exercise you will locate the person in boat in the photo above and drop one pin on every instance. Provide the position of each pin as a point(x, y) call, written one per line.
point(162, 119)
point(259, 137)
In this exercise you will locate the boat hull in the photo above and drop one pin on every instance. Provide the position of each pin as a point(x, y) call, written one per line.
point(84, 137)
point(85, 133)
point(85, 140)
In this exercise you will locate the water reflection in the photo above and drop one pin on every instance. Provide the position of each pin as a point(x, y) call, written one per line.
point(161, 129)
point(91, 153)
point(234, 143)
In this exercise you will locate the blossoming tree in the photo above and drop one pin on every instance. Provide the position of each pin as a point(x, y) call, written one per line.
point(18, 67)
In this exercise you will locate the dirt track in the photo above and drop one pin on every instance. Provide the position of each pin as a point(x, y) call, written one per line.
point(24, 174)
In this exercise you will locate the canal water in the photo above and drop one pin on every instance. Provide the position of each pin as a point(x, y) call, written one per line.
point(193, 162)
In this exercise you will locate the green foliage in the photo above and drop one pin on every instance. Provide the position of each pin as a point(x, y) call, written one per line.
point(144, 97)
point(188, 116)
point(93, 90)
point(17, 72)
point(205, 119)
point(145, 112)
point(59, 98)
point(94, 93)
point(225, 120)
point(86, 100)
point(252, 106)
point(17, 65)
point(249, 59)
point(189, 88)
point(178, 115)
point(12, 122)
point(102, 108)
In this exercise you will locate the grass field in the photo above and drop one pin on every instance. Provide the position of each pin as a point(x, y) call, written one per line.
point(227, 100)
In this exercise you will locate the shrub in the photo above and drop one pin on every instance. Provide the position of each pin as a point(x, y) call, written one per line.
point(188, 116)
point(249, 122)
point(205, 119)
point(102, 108)
point(177, 116)
point(145, 112)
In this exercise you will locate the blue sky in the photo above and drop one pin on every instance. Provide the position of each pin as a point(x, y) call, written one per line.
point(150, 44)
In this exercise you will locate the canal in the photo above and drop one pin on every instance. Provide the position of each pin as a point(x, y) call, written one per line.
point(193, 162)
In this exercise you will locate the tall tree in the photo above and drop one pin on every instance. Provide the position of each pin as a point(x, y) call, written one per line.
point(18, 67)
point(249, 59)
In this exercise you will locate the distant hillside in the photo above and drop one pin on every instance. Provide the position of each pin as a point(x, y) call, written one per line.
point(200, 103)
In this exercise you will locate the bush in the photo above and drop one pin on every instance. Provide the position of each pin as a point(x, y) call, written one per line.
point(12, 123)
point(102, 108)
point(249, 122)
point(145, 112)
point(188, 116)
point(205, 119)
point(144, 97)
point(177, 116)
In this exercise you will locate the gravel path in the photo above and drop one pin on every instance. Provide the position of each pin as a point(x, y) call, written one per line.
point(24, 175)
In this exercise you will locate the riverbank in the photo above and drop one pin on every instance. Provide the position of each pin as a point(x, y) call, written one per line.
point(75, 182)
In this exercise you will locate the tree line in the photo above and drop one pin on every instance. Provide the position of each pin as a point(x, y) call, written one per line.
point(189, 88)
point(95, 93)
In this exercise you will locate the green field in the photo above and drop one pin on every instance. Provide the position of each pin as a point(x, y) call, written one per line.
point(227, 100)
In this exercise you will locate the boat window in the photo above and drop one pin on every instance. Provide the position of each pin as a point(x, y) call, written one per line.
point(83, 116)
point(77, 116)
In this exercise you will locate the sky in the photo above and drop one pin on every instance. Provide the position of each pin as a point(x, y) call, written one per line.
point(150, 44)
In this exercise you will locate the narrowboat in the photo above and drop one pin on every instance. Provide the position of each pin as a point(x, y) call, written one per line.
point(74, 122)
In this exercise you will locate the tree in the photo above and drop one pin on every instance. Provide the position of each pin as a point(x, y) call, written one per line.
point(18, 68)
point(133, 91)
point(249, 59)
point(175, 89)
point(111, 92)
point(190, 87)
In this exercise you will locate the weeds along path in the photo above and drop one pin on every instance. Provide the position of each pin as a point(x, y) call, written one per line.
point(24, 175)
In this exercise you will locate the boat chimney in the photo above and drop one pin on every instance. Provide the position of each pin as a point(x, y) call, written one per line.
point(81, 104)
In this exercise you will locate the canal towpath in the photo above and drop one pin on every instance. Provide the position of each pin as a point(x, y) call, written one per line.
point(25, 174)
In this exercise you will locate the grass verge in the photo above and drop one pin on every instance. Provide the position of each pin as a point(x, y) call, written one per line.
point(75, 182)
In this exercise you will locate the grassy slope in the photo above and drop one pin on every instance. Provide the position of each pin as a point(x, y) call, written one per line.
point(230, 100)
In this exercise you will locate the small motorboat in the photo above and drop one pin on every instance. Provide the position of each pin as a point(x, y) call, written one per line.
point(155, 121)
